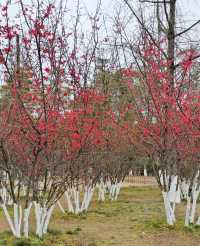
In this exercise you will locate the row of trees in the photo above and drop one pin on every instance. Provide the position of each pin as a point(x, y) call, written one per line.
point(68, 125)
point(60, 134)
point(165, 93)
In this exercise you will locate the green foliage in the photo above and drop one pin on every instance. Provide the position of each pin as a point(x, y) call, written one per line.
point(24, 79)
point(116, 91)
point(142, 162)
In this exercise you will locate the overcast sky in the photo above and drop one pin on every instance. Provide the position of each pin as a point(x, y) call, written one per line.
point(190, 9)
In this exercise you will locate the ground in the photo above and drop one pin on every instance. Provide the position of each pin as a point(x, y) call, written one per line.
point(137, 218)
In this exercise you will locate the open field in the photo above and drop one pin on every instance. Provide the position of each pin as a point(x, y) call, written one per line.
point(137, 218)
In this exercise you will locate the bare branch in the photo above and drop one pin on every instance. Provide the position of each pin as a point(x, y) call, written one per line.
point(188, 29)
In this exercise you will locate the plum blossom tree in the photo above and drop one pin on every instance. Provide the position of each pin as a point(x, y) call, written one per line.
point(166, 126)
point(48, 122)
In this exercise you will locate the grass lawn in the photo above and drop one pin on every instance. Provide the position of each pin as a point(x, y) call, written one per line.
point(137, 218)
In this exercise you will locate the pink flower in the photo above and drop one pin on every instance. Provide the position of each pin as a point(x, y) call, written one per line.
point(47, 69)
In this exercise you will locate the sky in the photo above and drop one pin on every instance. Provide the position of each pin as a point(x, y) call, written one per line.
point(190, 9)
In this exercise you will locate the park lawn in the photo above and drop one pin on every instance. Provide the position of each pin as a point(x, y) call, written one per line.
point(137, 218)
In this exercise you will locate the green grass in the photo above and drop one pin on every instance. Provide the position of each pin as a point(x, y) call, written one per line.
point(137, 218)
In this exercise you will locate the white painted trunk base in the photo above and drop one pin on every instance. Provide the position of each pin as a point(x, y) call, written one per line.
point(184, 188)
point(194, 205)
point(145, 172)
point(42, 216)
point(169, 209)
point(114, 191)
point(15, 224)
point(60, 207)
point(75, 205)
point(101, 191)
point(188, 210)
point(26, 220)
point(174, 193)
point(69, 202)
